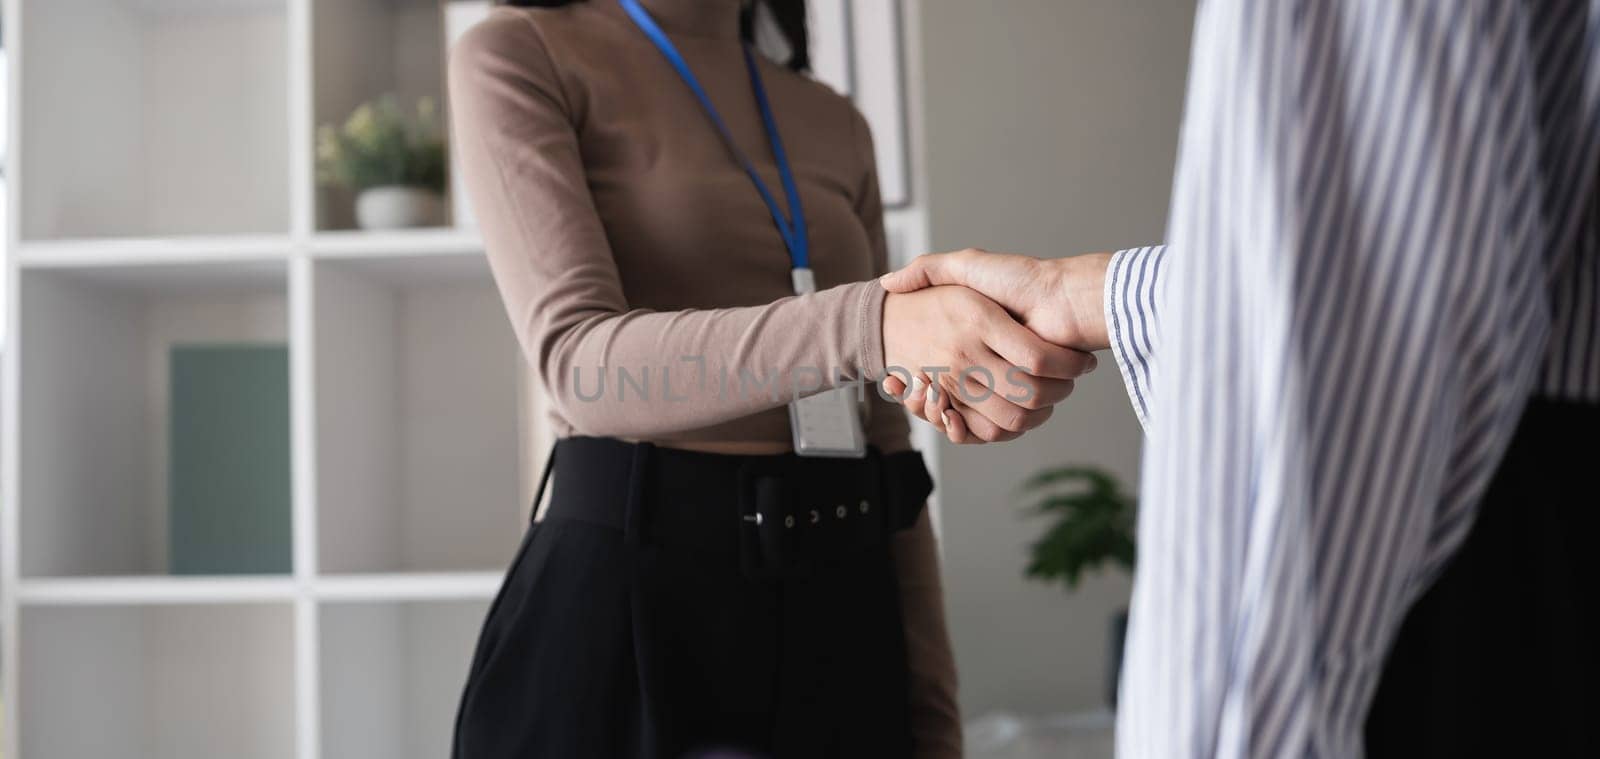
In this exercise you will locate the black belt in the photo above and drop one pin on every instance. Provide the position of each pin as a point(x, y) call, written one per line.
point(779, 515)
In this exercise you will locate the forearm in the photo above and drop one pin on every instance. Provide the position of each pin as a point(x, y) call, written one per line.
point(640, 373)
point(1082, 291)
point(1112, 301)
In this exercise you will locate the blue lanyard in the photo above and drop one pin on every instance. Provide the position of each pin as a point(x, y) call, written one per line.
point(794, 234)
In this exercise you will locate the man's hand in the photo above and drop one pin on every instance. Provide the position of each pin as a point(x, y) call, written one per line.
point(1006, 378)
point(1060, 300)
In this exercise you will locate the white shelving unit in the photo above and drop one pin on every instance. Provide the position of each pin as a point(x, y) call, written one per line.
point(163, 194)
point(93, 501)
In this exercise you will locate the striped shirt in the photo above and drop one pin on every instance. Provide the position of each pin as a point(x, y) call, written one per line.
point(1383, 241)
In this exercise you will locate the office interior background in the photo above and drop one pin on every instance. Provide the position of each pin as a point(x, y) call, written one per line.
point(201, 337)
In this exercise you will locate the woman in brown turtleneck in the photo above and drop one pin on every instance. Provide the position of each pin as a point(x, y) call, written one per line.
point(694, 584)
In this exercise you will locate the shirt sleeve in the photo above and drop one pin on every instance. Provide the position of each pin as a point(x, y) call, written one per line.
point(1350, 335)
point(1133, 319)
point(518, 149)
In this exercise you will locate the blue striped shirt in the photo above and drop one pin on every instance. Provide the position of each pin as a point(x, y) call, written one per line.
point(1384, 238)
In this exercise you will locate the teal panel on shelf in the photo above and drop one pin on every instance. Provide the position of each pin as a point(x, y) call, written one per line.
point(228, 475)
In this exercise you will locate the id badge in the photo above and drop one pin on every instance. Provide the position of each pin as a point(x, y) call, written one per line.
point(828, 424)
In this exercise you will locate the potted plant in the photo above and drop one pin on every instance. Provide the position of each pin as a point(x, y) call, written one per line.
point(1092, 525)
point(393, 160)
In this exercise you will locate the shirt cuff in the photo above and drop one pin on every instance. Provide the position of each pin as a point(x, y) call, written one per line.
point(1133, 320)
point(869, 319)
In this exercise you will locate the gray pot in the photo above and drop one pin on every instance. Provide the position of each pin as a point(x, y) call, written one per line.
point(398, 207)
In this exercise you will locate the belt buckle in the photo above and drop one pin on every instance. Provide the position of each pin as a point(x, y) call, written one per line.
point(766, 551)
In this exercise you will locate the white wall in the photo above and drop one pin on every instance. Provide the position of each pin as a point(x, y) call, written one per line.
point(1050, 128)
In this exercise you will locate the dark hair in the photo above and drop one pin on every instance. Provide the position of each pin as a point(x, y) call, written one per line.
point(789, 14)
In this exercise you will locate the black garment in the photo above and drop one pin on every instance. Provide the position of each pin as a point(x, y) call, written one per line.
point(653, 613)
point(1498, 658)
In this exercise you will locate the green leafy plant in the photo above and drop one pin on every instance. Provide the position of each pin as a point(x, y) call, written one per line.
point(381, 145)
point(1092, 523)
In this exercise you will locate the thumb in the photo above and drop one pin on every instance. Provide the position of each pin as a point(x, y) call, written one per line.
point(923, 271)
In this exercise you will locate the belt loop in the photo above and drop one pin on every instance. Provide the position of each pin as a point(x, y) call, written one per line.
point(633, 516)
point(907, 486)
point(544, 481)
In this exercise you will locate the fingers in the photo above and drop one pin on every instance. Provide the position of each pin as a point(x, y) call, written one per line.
point(918, 401)
point(894, 387)
point(974, 428)
point(961, 424)
point(915, 276)
point(1048, 392)
point(973, 390)
point(955, 428)
point(934, 403)
point(1031, 392)
point(952, 419)
point(1023, 349)
point(1002, 412)
point(926, 271)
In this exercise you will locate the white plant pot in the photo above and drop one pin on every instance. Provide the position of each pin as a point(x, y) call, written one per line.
point(398, 207)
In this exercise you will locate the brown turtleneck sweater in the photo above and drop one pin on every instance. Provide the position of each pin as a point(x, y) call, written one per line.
point(622, 235)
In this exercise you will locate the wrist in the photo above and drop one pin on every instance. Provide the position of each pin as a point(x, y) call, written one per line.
point(893, 341)
point(1080, 281)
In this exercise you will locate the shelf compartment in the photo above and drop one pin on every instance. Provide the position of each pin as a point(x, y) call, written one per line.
point(175, 123)
point(392, 675)
point(106, 480)
point(157, 682)
point(366, 49)
point(418, 378)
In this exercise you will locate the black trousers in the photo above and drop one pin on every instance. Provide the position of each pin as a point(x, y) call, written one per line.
point(1498, 658)
point(678, 604)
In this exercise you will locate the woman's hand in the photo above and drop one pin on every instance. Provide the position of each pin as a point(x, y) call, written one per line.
point(1059, 300)
point(1002, 377)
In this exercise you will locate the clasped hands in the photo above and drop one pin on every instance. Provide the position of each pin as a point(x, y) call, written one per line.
point(991, 342)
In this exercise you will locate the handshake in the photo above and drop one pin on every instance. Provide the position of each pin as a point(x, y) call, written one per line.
point(990, 342)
